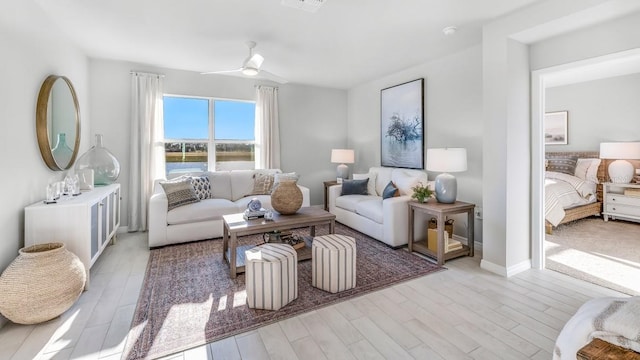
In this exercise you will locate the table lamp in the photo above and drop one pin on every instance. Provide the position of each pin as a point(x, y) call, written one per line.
point(446, 160)
point(620, 171)
point(342, 157)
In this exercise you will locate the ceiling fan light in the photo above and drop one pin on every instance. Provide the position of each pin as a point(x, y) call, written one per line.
point(249, 71)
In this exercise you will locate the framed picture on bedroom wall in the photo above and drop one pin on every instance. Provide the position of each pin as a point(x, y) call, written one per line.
point(555, 128)
point(402, 125)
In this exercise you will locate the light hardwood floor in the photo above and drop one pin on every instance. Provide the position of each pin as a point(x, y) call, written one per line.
point(460, 313)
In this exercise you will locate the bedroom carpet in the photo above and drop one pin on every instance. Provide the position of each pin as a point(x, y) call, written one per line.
point(603, 253)
point(187, 298)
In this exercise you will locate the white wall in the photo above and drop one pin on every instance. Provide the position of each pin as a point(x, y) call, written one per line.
point(31, 50)
point(312, 119)
point(506, 249)
point(599, 110)
point(453, 117)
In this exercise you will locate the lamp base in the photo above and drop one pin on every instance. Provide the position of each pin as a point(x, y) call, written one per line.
point(446, 188)
point(342, 172)
point(621, 172)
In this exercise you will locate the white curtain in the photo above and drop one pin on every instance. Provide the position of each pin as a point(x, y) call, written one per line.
point(147, 146)
point(267, 130)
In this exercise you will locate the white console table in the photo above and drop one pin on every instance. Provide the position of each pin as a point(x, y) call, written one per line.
point(85, 223)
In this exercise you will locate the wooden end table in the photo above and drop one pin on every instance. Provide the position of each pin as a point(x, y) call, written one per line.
point(327, 185)
point(235, 225)
point(440, 211)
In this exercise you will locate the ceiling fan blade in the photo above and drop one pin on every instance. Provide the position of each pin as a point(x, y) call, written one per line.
point(221, 72)
point(271, 76)
point(254, 61)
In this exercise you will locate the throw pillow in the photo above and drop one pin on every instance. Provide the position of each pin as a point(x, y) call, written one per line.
point(262, 184)
point(202, 187)
point(284, 176)
point(390, 191)
point(371, 185)
point(354, 187)
point(179, 192)
point(565, 165)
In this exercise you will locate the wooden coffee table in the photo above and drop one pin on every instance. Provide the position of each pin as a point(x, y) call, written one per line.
point(235, 225)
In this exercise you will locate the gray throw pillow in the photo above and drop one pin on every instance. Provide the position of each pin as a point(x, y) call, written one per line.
point(390, 191)
point(354, 187)
point(564, 164)
point(179, 192)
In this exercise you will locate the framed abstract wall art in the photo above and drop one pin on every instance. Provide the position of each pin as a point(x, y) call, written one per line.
point(402, 125)
point(555, 128)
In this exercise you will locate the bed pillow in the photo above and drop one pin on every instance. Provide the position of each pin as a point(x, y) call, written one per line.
point(354, 187)
point(564, 164)
point(587, 169)
point(179, 192)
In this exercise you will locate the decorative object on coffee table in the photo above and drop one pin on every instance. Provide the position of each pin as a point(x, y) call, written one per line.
point(105, 165)
point(41, 283)
point(286, 197)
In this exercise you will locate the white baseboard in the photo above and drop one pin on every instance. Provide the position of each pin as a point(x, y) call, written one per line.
point(503, 271)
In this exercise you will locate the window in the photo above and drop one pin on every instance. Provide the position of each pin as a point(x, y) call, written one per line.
point(193, 125)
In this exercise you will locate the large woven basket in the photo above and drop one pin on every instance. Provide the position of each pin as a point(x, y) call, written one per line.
point(286, 197)
point(41, 283)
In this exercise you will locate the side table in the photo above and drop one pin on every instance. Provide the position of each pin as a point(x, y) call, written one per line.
point(440, 211)
point(327, 185)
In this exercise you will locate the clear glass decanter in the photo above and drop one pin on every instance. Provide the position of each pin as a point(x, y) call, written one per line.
point(105, 165)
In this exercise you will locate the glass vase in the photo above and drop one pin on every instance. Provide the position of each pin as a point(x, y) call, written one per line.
point(105, 165)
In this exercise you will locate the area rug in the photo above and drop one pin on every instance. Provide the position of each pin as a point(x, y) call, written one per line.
point(603, 253)
point(187, 298)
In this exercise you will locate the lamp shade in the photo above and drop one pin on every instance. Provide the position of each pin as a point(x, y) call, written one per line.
point(620, 150)
point(342, 156)
point(447, 159)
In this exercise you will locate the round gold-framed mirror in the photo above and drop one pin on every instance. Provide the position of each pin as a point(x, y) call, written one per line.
point(58, 122)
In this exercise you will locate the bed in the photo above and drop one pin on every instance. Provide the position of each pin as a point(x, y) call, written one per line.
point(572, 170)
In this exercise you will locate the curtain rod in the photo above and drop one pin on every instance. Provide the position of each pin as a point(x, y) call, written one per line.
point(145, 73)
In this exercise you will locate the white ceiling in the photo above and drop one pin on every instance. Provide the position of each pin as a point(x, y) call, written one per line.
point(343, 44)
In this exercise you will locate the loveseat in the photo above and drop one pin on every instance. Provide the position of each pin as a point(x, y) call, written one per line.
point(382, 219)
point(230, 192)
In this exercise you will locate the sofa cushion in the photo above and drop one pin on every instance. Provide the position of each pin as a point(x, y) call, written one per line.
point(209, 209)
point(382, 178)
point(390, 191)
point(179, 192)
point(370, 208)
point(354, 187)
point(202, 186)
point(350, 202)
point(406, 179)
point(220, 182)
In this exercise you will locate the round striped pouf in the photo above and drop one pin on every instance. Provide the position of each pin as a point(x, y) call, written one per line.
point(271, 276)
point(333, 262)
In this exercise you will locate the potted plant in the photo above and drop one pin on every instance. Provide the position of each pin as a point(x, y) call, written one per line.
point(421, 192)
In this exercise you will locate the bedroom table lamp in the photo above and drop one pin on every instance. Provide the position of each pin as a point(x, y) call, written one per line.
point(446, 160)
point(620, 171)
point(342, 157)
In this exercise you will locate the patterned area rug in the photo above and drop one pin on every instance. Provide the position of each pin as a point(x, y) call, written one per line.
point(188, 299)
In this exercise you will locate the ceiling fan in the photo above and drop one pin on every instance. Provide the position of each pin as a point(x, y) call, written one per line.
point(251, 67)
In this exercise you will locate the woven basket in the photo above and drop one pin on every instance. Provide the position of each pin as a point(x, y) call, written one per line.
point(41, 283)
point(448, 226)
point(286, 197)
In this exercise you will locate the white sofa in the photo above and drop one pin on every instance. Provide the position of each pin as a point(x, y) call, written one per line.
point(385, 220)
point(203, 219)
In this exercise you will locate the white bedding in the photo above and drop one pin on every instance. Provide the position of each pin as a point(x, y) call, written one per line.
point(563, 191)
point(615, 320)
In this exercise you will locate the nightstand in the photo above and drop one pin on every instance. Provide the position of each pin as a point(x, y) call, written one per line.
point(440, 211)
point(328, 184)
point(621, 201)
